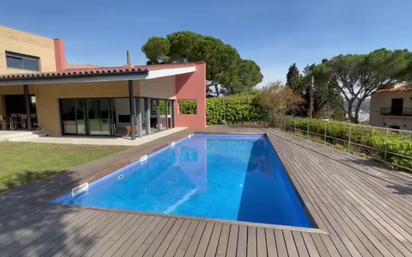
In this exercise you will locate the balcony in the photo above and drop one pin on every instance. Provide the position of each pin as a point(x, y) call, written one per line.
point(390, 112)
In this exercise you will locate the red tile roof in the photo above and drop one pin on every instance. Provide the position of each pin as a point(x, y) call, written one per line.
point(403, 88)
point(73, 72)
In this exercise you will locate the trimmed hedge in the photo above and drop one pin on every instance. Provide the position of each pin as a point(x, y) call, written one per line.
point(388, 146)
point(233, 109)
point(228, 110)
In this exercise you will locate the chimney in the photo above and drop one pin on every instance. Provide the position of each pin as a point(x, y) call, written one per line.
point(129, 59)
point(60, 54)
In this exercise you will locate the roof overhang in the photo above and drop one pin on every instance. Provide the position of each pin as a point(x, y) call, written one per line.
point(99, 77)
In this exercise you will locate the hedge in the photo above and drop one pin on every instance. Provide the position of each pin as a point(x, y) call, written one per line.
point(233, 109)
point(380, 144)
point(228, 110)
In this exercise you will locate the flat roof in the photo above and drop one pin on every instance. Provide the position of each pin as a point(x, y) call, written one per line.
point(100, 74)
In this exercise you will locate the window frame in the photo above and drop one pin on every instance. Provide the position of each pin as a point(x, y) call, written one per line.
point(22, 57)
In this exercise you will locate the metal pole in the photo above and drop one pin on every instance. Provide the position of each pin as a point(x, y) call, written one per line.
point(139, 116)
point(147, 114)
point(172, 110)
point(27, 105)
point(132, 103)
point(326, 129)
point(158, 113)
point(307, 130)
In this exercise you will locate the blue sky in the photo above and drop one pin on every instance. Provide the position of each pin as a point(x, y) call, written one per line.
point(274, 33)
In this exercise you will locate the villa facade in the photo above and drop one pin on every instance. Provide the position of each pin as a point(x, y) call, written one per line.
point(392, 108)
point(40, 90)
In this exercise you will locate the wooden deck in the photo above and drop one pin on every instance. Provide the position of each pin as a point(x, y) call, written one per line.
point(364, 210)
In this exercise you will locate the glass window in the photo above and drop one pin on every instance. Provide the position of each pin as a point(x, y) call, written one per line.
point(19, 61)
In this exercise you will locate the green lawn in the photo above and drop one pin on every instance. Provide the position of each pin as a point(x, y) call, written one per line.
point(22, 163)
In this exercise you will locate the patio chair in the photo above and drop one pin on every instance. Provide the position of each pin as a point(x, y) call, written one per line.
point(4, 122)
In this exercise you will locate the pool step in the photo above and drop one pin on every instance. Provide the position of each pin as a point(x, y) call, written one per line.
point(22, 136)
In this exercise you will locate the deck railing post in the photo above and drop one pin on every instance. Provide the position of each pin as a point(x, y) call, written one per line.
point(386, 145)
point(294, 126)
point(350, 137)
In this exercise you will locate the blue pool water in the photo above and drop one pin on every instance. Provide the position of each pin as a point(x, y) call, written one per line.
point(225, 177)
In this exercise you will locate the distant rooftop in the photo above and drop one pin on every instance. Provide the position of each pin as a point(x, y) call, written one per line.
point(397, 88)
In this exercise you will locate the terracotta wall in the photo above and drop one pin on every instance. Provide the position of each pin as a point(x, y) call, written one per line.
point(192, 86)
point(29, 44)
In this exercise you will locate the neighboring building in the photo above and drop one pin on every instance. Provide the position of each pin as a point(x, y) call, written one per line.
point(392, 108)
point(39, 90)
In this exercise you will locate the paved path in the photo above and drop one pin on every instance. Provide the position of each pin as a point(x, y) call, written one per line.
point(362, 209)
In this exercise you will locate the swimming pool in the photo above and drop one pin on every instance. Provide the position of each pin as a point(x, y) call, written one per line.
point(224, 177)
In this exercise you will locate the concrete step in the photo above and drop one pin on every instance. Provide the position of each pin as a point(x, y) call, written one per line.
point(22, 135)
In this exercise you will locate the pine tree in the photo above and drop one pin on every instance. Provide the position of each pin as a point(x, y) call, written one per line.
point(294, 79)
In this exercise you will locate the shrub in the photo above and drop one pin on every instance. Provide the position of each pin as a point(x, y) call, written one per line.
point(233, 109)
point(187, 106)
point(387, 148)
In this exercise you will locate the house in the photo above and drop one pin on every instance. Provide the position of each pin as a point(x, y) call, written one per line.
point(40, 90)
point(392, 108)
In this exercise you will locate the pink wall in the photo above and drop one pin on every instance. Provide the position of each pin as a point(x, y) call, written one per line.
point(192, 86)
point(60, 54)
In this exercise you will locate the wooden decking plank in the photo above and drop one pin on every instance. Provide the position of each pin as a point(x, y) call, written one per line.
point(194, 243)
point(261, 242)
point(333, 219)
point(300, 244)
point(26, 243)
point(242, 241)
point(364, 230)
point(109, 240)
point(372, 249)
point(204, 241)
point(161, 248)
point(134, 236)
point(223, 241)
point(181, 250)
point(280, 243)
point(69, 242)
point(271, 243)
point(310, 245)
point(251, 242)
point(177, 239)
point(290, 244)
point(155, 238)
point(85, 243)
point(336, 246)
point(319, 190)
point(233, 241)
point(214, 240)
point(320, 245)
point(53, 241)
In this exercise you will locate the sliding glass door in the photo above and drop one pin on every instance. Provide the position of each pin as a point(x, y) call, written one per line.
point(73, 117)
point(99, 117)
point(111, 116)
point(87, 117)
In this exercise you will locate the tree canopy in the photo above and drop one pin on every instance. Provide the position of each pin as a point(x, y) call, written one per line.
point(223, 62)
point(358, 76)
